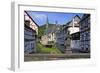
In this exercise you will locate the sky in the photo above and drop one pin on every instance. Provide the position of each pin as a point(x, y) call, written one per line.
point(61, 18)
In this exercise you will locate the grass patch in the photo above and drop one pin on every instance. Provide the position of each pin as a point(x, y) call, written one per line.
point(43, 49)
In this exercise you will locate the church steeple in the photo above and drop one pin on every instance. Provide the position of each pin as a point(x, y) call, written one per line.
point(47, 23)
point(56, 22)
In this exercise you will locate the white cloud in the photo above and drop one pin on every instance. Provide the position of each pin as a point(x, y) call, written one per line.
point(40, 17)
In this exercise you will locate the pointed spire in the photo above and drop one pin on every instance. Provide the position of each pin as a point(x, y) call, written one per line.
point(56, 22)
point(47, 22)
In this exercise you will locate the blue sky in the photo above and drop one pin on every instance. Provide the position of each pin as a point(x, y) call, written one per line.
point(62, 18)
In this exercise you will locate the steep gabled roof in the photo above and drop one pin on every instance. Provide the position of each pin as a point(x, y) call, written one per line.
point(77, 16)
point(84, 16)
point(70, 23)
point(31, 18)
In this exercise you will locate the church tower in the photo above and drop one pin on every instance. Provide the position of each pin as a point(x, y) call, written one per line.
point(47, 23)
